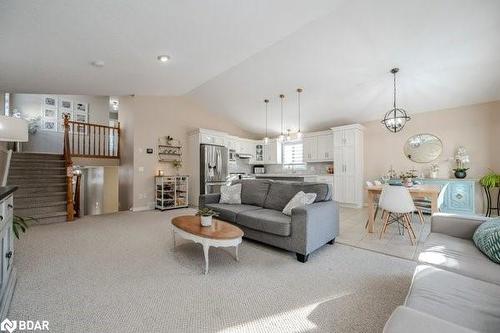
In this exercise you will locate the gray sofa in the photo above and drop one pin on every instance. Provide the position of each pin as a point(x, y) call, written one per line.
point(260, 215)
point(455, 287)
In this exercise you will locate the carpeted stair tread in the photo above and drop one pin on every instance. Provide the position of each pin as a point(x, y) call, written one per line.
point(41, 204)
point(39, 156)
point(42, 195)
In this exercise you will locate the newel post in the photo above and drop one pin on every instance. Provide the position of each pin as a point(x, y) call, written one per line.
point(70, 212)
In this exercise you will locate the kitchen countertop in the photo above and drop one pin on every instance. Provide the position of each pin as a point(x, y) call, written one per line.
point(290, 175)
point(6, 190)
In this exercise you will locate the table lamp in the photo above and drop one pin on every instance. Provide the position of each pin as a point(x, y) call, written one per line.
point(11, 129)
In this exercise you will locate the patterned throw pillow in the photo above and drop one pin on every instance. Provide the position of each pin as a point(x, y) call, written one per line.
point(299, 200)
point(487, 239)
point(230, 194)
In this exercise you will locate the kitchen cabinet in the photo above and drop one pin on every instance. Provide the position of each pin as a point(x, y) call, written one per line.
point(7, 270)
point(272, 152)
point(318, 147)
point(213, 139)
point(310, 148)
point(325, 147)
point(348, 159)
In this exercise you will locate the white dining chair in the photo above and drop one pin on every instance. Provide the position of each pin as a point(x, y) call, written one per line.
point(398, 206)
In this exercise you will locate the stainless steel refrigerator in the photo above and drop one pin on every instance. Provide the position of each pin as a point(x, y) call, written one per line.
point(213, 168)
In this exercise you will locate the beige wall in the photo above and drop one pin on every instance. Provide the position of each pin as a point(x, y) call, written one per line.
point(476, 127)
point(143, 120)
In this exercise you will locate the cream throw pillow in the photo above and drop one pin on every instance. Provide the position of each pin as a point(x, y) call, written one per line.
point(299, 200)
point(230, 194)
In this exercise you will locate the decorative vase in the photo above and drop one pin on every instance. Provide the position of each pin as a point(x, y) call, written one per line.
point(408, 182)
point(433, 174)
point(206, 221)
point(460, 174)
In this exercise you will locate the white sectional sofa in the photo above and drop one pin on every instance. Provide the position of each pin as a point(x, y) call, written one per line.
point(455, 287)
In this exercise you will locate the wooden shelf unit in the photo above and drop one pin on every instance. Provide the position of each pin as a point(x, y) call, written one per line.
point(169, 153)
point(171, 192)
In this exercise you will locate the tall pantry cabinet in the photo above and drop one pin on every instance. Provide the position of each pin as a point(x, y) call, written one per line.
point(348, 161)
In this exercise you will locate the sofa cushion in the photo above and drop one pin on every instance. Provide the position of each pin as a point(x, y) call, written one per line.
point(254, 191)
point(465, 301)
point(267, 220)
point(228, 212)
point(280, 193)
point(460, 256)
point(487, 239)
point(405, 319)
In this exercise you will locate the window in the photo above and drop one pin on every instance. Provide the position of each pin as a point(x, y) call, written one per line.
point(293, 155)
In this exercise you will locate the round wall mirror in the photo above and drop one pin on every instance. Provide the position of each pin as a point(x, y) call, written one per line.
point(423, 148)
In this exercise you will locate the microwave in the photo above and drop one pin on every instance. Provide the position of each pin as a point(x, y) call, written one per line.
point(259, 169)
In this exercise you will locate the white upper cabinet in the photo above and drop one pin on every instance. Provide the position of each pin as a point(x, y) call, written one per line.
point(269, 153)
point(318, 147)
point(325, 147)
point(213, 137)
point(310, 148)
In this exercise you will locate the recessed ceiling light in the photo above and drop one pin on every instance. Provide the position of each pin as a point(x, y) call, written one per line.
point(97, 63)
point(163, 58)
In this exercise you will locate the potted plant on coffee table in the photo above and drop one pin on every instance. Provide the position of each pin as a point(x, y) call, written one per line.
point(206, 215)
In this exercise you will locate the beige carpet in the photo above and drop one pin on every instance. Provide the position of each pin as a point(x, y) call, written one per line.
point(119, 273)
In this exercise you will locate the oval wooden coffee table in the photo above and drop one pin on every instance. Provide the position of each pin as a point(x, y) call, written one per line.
point(219, 234)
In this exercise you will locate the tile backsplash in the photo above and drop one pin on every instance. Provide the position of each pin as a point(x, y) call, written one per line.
point(310, 168)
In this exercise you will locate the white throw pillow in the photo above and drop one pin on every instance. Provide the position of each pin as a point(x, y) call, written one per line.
point(230, 194)
point(299, 200)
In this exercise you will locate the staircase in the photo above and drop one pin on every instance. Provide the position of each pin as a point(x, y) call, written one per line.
point(41, 179)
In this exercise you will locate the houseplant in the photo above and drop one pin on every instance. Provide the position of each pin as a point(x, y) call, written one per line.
point(20, 224)
point(461, 160)
point(205, 215)
point(491, 179)
point(177, 165)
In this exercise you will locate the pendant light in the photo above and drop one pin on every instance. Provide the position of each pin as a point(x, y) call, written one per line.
point(299, 91)
point(266, 139)
point(395, 119)
point(281, 138)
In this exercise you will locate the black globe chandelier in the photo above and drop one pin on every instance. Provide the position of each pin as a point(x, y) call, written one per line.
point(395, 119)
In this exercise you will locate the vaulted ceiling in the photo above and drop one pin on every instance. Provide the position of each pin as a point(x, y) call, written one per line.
point(229, 55)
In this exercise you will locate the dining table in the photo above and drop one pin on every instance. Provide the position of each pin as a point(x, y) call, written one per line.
point(416, 191)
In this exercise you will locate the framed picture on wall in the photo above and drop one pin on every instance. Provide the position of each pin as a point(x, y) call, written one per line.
point(50, 102)
point(49, 125)
point(81, 107)
point(81, 117)
point(65, 105)
point(49, 113)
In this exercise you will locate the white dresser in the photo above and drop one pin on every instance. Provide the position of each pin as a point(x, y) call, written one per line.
point(7, 270)
point(348, 165)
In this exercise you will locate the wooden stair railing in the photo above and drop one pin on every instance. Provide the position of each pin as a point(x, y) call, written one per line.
point(70, 211)
point(94, 140)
